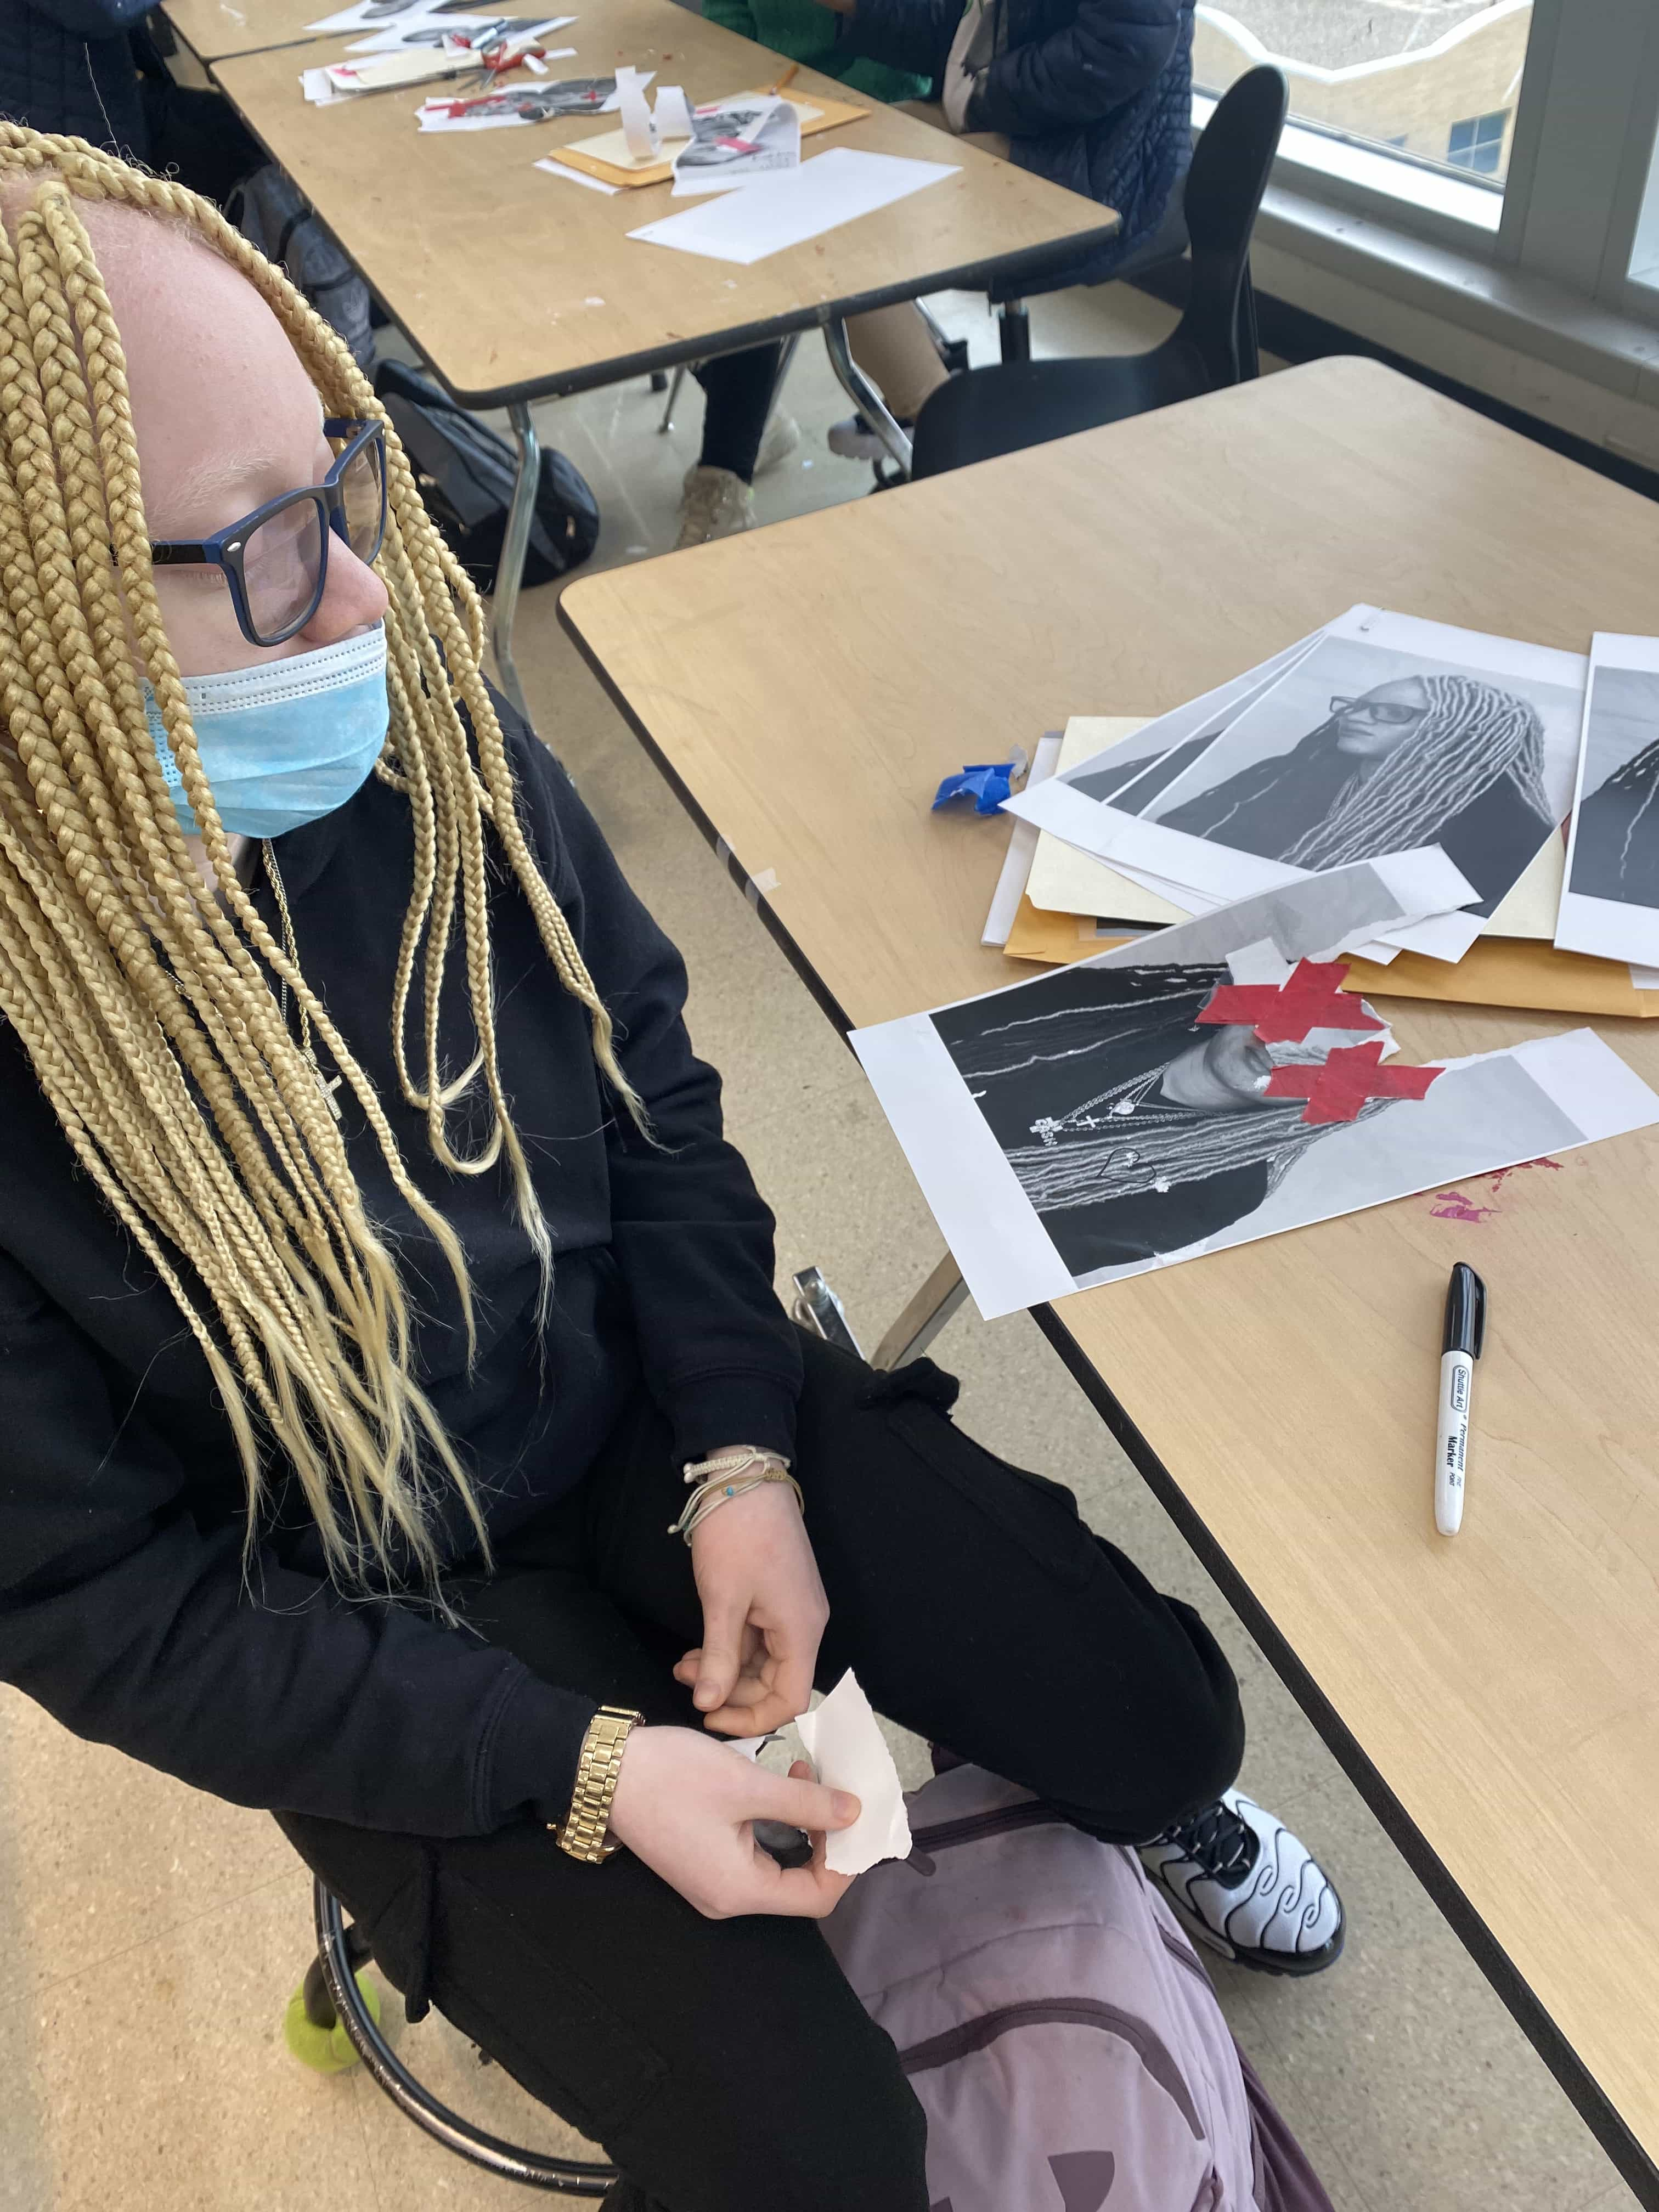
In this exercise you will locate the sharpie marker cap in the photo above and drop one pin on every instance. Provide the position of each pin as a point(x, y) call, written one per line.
point(1466, 1312)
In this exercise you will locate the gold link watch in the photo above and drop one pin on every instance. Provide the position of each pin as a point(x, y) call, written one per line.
point(584, 1831)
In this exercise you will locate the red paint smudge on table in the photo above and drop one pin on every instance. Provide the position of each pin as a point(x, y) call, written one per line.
point(1457, 1205)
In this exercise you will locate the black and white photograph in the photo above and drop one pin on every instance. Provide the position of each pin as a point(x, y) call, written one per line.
point(1090, 1125)
point(1384, 733)
point(1611, 903)
point(735, 140)
point(1378, 743)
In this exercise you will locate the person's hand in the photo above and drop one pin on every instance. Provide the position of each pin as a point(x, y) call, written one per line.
point(764, 1612)
point(684, 1806)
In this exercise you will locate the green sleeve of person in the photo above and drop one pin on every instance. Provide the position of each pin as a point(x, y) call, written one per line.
point(804, 32)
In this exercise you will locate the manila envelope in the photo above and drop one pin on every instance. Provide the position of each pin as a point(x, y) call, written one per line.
point(1509, 971)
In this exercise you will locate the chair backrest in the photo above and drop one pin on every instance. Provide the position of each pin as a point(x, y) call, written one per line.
point(1228, 175)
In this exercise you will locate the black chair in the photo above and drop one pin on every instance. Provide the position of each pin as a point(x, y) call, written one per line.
point(1025, 403)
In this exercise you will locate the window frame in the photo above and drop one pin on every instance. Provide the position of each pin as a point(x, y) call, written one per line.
point(1582, 150)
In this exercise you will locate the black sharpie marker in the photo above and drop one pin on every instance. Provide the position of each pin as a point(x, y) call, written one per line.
point(1465, 1332)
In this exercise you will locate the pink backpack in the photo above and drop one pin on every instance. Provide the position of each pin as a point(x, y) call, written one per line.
point(1055, 2022)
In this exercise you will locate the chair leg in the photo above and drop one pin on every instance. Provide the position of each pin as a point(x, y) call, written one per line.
point(864, 395)
point(674, 390)
point(1250, 354)
point(940, 1297)
point(1014, 330)
point(816, 1306)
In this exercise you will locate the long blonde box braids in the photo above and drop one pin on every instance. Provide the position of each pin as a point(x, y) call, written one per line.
point(146, 1007)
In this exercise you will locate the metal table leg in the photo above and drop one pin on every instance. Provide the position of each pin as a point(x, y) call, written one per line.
point(932, 1305)
point(865, 396)
point(509, 572)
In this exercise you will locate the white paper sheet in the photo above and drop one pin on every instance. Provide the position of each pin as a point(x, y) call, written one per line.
point(1022, 844)
point(1060, 1041)
point(735, 141)
point(1644, 979)
point(834, 188)
point(1610, 899)
point(849, 1751)
point(577, 176)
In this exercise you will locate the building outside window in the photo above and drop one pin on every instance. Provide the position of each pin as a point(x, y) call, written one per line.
point(1435, 81)
point(1477, 144)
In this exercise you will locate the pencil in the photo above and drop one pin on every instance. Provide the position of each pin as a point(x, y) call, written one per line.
point(789, 77)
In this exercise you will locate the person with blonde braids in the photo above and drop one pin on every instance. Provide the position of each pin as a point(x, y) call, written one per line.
point(1446, 760)
point(375, 1276)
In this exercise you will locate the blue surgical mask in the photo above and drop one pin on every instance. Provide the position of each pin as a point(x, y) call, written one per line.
point(285, 742)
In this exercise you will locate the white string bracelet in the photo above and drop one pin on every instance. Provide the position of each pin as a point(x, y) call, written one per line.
point(730, 1475)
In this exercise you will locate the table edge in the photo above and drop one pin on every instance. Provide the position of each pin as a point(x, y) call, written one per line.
point(1053, 256)
point(1592, 2104)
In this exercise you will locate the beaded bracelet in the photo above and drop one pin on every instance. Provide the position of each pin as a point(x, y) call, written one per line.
point(728, 1477)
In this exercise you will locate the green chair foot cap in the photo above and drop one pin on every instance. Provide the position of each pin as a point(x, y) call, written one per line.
point(325, 2050)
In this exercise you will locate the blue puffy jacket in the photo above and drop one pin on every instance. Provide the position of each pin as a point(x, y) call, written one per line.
point(65, 66)
point(1095, 95)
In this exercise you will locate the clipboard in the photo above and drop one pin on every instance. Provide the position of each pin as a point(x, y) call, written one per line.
point(615, 165)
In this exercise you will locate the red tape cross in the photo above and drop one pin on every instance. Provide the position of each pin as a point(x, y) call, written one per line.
point(1337, 1090)
point(1310, 998)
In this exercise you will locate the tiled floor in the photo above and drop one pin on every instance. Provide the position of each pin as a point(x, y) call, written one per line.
point(149, 1937)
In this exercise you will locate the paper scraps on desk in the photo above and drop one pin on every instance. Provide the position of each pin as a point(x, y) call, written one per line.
point(1384, 733)
point(1087, 1126)
point(843, 1741)
point(518, 104)
point(1610, 903)
point(835, 188)
point(606, 156)
point(477, 31)
point(733, 141)
point(377, 15)
point(987, 783)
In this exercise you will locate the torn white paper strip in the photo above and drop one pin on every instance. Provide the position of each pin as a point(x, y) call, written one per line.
point(1023, 842)
point(849, 1751)
point(637, 127)
point(673, 115)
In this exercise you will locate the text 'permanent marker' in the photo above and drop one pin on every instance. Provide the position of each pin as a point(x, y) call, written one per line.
point(1459, 1347)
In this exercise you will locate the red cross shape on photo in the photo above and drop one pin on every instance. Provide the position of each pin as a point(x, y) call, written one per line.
point(1283, 1013)
point(1336, 1090)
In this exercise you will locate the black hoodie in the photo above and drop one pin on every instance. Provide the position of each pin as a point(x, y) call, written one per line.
point(123, 1606)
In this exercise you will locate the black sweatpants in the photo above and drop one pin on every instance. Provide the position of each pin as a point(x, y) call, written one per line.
point(726, 2065)
point(737, 390)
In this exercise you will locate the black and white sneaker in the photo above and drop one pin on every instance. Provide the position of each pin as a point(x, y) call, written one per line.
point(1243, 1884)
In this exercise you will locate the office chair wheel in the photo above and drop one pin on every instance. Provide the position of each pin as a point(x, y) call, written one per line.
point(311, 2026)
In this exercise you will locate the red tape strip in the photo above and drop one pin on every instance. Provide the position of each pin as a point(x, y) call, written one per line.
point(1310, 998)
point(1336, 1091)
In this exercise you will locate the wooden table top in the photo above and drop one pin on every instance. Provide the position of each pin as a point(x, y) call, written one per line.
point(515, 284)
point(214, 30)
point(1496, 1696)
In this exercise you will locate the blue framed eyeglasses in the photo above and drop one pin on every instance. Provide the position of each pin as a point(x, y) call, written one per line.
point(275, 560)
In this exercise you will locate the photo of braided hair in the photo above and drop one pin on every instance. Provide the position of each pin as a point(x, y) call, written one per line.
point(1471, 735)
point(1636, 784)
point(148, 1007)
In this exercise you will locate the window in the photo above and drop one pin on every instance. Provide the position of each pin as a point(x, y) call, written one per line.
point(1477, 143)
point(1424, 89)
